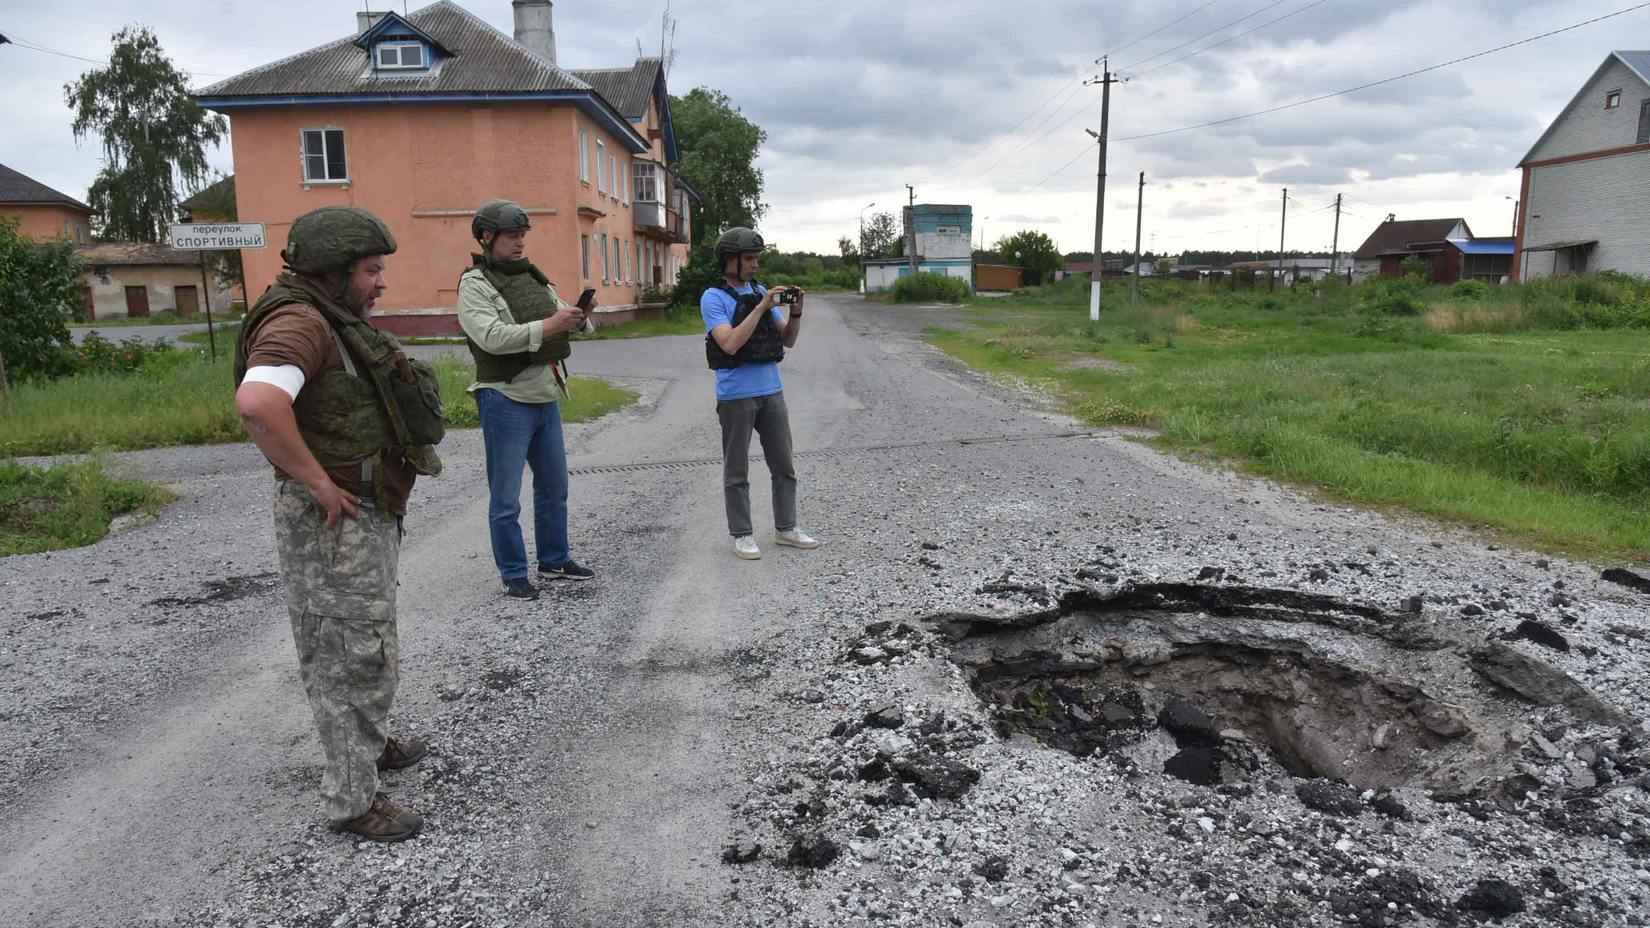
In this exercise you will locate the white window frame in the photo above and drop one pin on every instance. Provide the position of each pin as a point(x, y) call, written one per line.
point(601, 166)
point(584, 255)
point(618, 260)
point(378, 56)
point(624, 183)
point(584, 156)
point(636, 256)
point(326, 161)
point(613, 175)
point(1612, 99)
point(605, 278)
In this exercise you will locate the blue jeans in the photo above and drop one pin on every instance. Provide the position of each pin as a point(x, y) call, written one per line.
point(517, 434)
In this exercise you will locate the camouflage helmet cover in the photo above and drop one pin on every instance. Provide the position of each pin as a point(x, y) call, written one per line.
point(335, 237)
point(499, 216)
point(737, 241)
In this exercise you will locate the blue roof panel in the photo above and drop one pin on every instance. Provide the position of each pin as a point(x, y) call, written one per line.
point(1485, 248)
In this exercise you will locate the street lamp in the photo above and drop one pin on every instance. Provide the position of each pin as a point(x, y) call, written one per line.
point(862, 210)
point(982, 232)
point(1515, 215)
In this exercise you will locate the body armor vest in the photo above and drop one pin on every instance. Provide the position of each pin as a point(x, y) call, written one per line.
point(392, 407)
point(526, 292)
point(766, 344)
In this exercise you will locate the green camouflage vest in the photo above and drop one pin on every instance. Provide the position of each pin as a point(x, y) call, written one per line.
point(393, 408)
point(526, 292)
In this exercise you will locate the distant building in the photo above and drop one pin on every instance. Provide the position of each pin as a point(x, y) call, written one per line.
point(1583, 204)
point(132, 279)
point(43, 213)
point(1290, 270)
point(943, 234)
point(1395, 240)
point(422, 117)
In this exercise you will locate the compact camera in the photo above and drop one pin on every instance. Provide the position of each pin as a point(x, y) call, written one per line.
point(789, 296)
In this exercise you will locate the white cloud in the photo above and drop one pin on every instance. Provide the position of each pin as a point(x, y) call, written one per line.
point(860, 98)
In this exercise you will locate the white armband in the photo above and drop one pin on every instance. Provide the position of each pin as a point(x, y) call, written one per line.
point(288, 377)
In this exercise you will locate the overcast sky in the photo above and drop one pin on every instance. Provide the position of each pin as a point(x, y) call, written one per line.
point(860, 97)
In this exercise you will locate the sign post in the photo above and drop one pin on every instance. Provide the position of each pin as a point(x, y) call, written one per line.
point(215, 236)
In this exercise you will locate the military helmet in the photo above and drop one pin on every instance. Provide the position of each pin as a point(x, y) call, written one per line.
point(737, 241)
point(499, 216)
point(335, 237)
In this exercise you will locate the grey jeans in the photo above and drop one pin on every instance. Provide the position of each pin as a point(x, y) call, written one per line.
point(766, 416)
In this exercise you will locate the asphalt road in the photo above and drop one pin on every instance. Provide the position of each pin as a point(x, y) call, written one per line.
point(592, 750)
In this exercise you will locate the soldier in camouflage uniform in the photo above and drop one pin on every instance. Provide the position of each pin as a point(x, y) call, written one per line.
point(348, 421)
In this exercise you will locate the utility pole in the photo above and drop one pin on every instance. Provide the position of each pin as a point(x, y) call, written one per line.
point(1335, 247)
point(1099, 273)
point(911, 228)
point(1139, 204)
point(1272, 273)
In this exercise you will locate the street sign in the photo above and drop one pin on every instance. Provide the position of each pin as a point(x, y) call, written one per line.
point(217, 236)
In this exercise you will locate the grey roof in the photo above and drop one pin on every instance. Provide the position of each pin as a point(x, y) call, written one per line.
point(483, 60)
point(121, 254)
point(19, 188)
point(1639, 62)
point(1636, 61)
point(629, 90)
point(212, 194)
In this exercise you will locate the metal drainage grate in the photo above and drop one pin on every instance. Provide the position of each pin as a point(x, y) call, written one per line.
point(831, 453)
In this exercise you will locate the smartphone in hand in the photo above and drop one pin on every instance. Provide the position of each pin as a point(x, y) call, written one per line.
point(585, 299)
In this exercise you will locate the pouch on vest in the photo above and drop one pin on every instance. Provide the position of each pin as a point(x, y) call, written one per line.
point(766, 344)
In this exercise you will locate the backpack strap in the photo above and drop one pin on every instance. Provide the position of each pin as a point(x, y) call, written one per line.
point(350, 368)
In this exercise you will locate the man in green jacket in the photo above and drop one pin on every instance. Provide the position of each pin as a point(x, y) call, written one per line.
point(517, 329)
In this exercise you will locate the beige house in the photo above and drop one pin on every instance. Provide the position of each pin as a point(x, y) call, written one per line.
point(41, 212)
point(131, 279)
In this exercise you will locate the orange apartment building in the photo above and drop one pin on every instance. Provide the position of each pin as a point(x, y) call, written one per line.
point(423, 118)
point(42, 212)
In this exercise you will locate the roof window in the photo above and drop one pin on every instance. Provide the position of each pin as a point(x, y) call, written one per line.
point(400, 56)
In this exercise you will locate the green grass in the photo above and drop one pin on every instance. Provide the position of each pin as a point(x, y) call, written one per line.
point(226, 333)
point(588, 399)
point(164, 317)
point(1541, 435)
point(679, 321)
point(67, 506)
point(189, 400)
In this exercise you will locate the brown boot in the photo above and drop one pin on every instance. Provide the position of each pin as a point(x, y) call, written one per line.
point(385, 821)
point(401, 754)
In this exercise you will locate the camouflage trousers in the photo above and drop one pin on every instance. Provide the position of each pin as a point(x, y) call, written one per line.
point(340, 591)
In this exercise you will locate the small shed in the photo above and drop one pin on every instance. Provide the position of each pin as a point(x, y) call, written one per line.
point(991, 278)
point(136, 279)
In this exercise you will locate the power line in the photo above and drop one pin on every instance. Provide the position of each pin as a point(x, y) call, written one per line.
point(24, 43)
point(1023, 120)
point(1162, 27)
point(1210, 33)
point(1029, 140)
point(1407, 74)
point(1234, 38)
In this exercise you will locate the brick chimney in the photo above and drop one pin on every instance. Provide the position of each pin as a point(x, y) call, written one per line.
point(365, 19)
point(534, 30)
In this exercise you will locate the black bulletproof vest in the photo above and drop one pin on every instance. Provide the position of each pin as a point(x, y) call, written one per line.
point(766, 344)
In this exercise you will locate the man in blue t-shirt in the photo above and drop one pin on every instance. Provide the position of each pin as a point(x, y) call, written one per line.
point(746, 337)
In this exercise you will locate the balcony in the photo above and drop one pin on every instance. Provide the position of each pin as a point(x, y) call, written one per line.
point(658, 202)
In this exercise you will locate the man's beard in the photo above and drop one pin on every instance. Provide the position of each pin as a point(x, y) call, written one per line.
point(358, 302)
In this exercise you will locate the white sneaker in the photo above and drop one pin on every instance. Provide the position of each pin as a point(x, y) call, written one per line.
point(745, 547)
point(795, 538)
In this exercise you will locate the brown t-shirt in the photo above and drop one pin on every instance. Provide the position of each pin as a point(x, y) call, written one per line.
point(299, 335)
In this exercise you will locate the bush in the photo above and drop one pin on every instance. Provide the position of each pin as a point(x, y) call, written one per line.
point(1417, 267)
point(39, 294)
point(926, 287)
point(1392, 296)
point(1470, 290)
point(97, 355)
